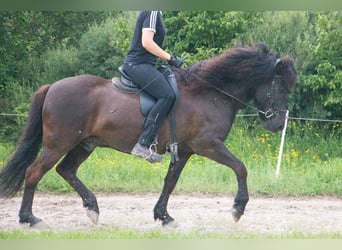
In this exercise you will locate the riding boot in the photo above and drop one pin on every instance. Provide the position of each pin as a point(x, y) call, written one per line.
point(144, 147)
point(147, 153)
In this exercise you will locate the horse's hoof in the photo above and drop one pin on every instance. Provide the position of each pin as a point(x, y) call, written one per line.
point(236, 214)
point(170, 224)
point(167, 220)
point(31, 220)
point(40, 225)
point(93, 216)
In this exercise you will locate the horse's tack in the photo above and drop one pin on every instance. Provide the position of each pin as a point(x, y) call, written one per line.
point(125, 85)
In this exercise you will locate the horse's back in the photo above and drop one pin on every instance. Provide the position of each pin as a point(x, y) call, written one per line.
point(86, 106)
point(73, 95)
point(77, 84)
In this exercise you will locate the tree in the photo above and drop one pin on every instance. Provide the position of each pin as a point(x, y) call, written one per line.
point(103, 47)
point(25, 36)
point(325, 80)
point(201, 34)
point(99, 51)
point(25, 39)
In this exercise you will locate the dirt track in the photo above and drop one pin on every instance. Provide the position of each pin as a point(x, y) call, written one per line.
point(196, 212)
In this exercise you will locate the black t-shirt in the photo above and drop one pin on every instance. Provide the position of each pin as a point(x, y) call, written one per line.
point(147, 20)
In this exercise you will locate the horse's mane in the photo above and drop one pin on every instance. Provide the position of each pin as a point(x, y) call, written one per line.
point(236, 66)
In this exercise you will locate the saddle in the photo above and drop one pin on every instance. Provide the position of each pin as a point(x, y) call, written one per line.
point(124, 84)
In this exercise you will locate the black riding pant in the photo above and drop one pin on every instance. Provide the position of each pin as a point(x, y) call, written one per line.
point(148, 78)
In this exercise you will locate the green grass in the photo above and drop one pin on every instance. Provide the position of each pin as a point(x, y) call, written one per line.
point(155, 234)
point(311, 165)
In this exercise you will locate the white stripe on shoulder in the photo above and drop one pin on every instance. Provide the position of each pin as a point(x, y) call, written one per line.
point(153, 19)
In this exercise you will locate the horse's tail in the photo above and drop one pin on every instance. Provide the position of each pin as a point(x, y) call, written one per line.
point(12, 175)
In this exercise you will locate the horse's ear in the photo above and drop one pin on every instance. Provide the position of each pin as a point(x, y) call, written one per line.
point(286, 69)
point(279, 66)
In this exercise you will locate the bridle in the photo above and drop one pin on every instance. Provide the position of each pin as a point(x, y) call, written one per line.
point(270, 113)
point(270, 96)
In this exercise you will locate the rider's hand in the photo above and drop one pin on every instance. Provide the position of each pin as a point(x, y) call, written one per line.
point(176, 61)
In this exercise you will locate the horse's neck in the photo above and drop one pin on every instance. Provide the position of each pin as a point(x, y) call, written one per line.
point(240, 92)
point(226, 84)
point(203, 80)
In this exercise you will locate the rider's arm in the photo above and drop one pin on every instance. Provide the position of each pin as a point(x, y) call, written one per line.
point(152, 47)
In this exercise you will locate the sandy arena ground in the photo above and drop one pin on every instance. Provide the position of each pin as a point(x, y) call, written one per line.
point(192, 212)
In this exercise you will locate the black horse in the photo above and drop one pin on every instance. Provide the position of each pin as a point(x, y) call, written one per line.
point(65, 116)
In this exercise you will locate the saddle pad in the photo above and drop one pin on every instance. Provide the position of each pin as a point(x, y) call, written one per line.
point(146, 101)
point(124, 88)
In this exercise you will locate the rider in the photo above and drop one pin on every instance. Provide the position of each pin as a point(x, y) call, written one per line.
point(140, 65)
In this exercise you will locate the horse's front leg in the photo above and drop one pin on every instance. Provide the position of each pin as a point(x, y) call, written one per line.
point(218, 152)
point(175, 169)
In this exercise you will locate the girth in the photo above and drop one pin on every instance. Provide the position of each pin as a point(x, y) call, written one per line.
point(125, 85)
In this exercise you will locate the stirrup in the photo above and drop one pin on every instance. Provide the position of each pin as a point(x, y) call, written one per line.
point(146, 153)
point(153, 147)
point(153, 153)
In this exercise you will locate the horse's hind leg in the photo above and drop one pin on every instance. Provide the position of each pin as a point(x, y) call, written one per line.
point(160, 209)
point(33, 174)
point(68, 168)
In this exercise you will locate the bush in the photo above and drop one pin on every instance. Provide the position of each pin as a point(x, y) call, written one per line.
point(314, 40)
point(103, 47)
point(17, 98)
point(60, 63)
point(100, 52)
point(325, 80)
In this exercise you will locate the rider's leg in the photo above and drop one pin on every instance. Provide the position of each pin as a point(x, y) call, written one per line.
point(148, 78)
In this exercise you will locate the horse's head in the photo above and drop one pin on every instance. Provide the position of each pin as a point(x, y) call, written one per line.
point(271, 98)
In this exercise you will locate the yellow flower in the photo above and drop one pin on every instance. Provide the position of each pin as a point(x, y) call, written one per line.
point(294, 153)
point(262, 139)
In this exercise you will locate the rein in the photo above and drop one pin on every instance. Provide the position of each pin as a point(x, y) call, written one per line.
point(268, 114)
